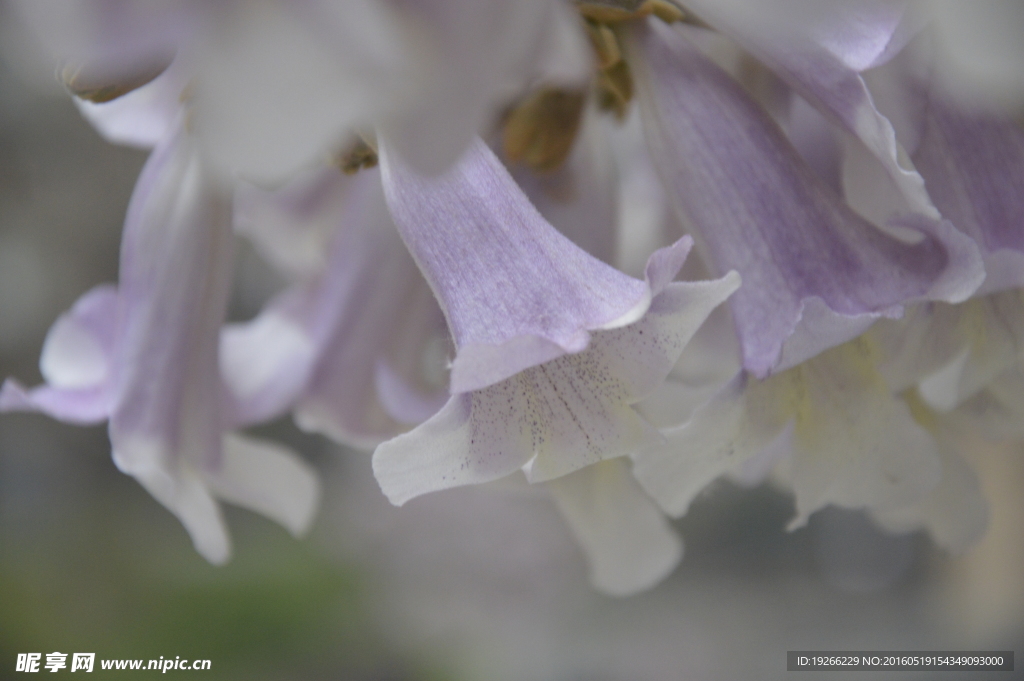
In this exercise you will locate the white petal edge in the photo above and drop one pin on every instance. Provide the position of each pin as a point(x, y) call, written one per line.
point(629, 544)
point(269, 479)
point(955, 513)
point(182, 493)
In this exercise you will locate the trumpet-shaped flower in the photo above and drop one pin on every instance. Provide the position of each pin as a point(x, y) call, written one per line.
point(816, 273)
point(552, 346)
point(144, 356)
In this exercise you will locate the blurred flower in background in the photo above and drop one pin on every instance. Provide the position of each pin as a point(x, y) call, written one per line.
point(585, 277)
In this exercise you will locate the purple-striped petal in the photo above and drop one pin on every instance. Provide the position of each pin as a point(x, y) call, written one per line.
point(345, 347)
point(819, 49)
point(579, 198)
point(813, 270)
point(515, 292)
point(973, 163)
point(562, 415)
point(174, 283)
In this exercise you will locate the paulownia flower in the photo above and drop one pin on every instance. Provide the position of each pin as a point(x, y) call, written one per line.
point(144, 356)
point(356, 346)
point(819, 49)
point(553, 348)
point(973, 162)
point(816, 273)
point(849, 442)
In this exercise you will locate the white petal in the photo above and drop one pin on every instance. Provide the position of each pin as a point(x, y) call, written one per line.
point(939, 390)
point(72, 358)
point(630, 545)
point(144, 116)
point(855, 445)
point(268, 479)
point(469, 441)
point(476, 55)
point(955, 513)
point(181, 491)
point(292, 227)
point(998, 411)
point(734, 426)
point(952, 351)
point(597, 387)
point(285, 82)
point(262, 356)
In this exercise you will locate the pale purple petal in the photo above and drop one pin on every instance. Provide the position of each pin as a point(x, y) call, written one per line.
point(579, 198)
point(756, 207)
point(76, 364)
point(292, 227)
point(317, 226)
point(973, 163)
point(83, 406)
point(401, 399)
point(562, 415)
point(174, 283)
point(266, 363)
point(820, 54)
point(113, 38)
point(325, 346)
point(515, 292)
point(381, 370)
point(78, 349)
